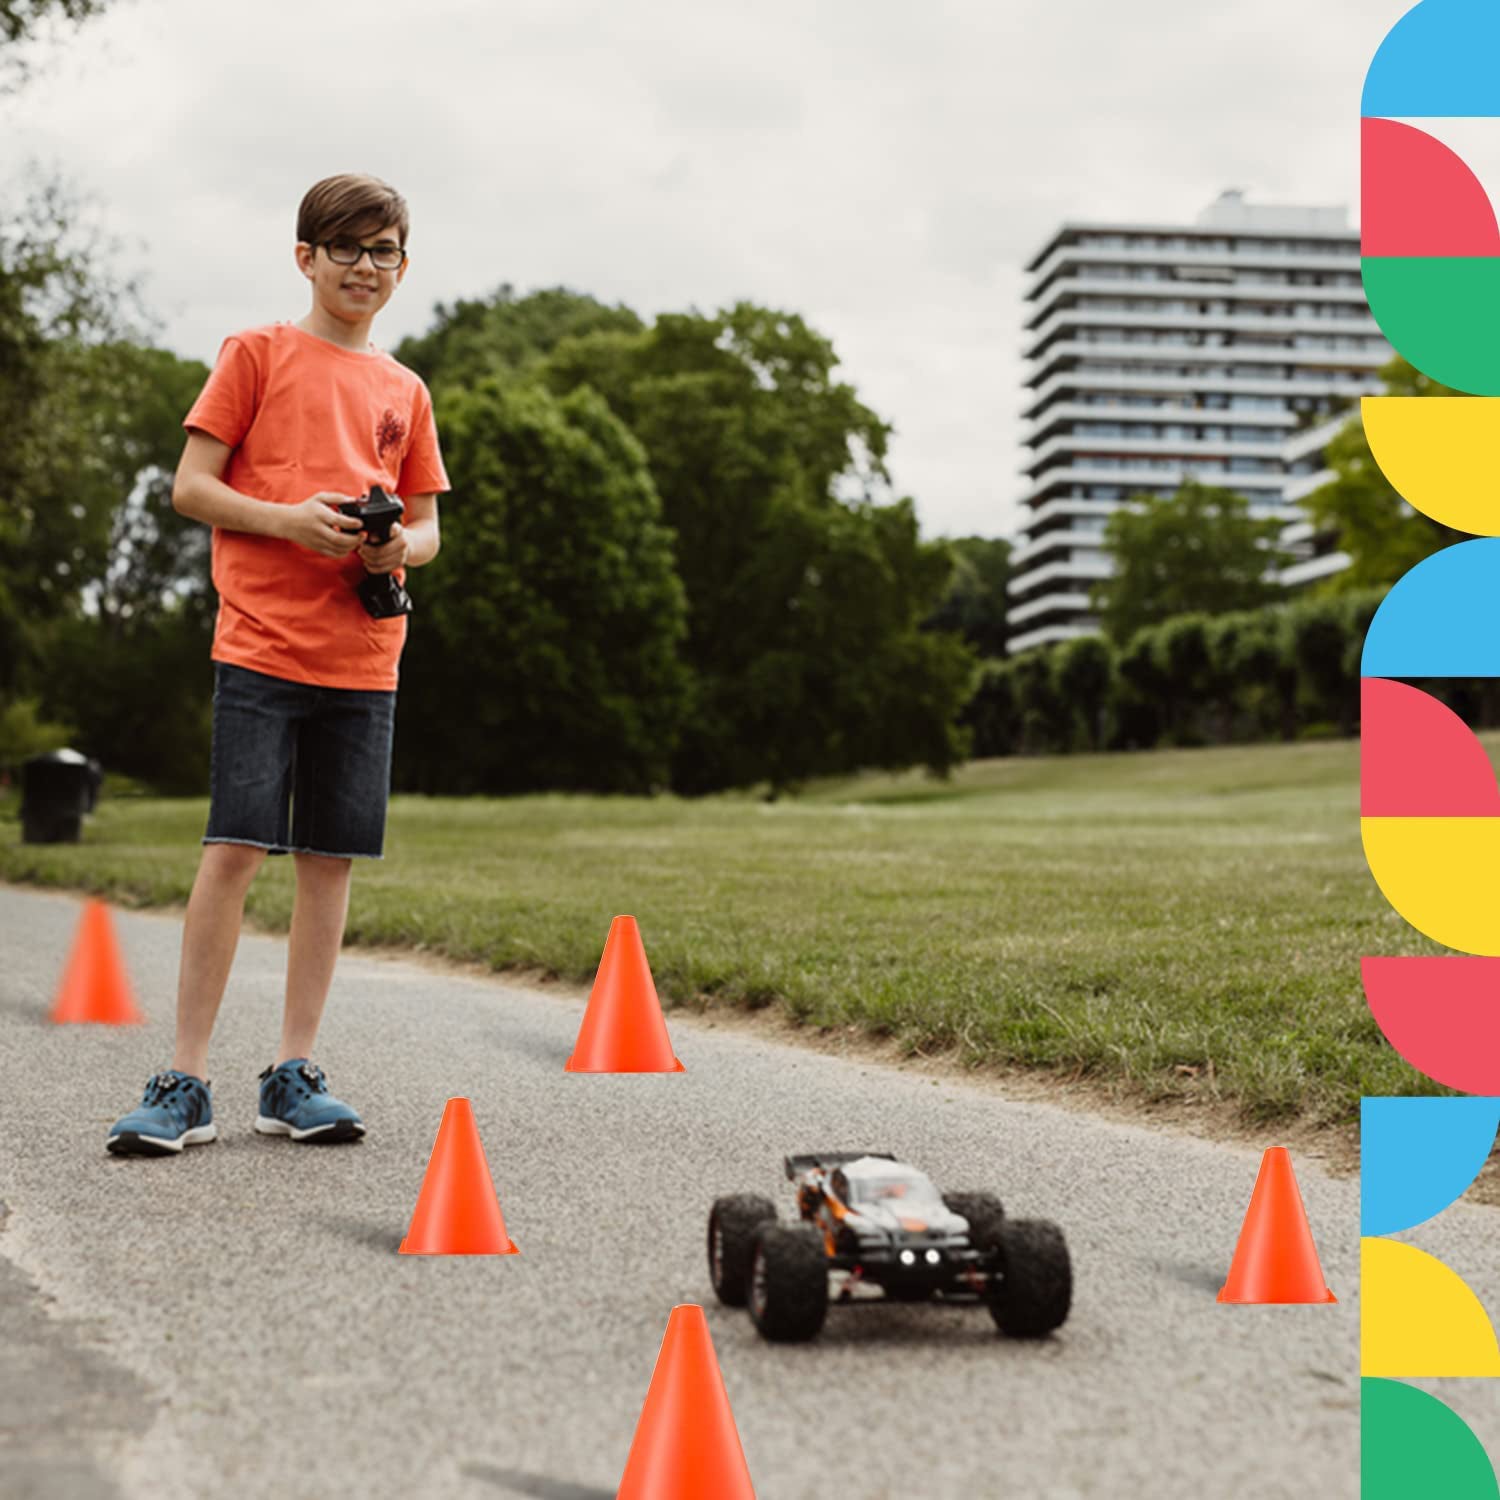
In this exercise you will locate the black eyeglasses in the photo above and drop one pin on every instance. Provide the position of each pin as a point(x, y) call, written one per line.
point(348, 253)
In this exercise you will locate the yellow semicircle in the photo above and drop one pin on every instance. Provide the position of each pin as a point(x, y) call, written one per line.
point(1417, 1317)
point(1439, 453)
point(1442, 875)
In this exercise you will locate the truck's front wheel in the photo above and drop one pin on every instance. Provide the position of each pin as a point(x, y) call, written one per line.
point(788, 1282)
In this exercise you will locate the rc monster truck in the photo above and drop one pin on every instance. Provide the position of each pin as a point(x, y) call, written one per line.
point(873, 1228)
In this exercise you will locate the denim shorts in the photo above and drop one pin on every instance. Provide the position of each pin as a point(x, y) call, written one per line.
point(297, 769)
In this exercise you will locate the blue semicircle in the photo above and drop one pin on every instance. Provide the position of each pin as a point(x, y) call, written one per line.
point(1438, 59)
point(1441, 618)
point(1416, 1156)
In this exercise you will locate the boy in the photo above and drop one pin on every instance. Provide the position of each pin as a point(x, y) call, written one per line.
point(295, 419)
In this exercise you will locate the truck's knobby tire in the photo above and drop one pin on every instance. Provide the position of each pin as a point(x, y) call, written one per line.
point(788, 1282)
point(732, 1223)
point(1032, 1287)
point(984, 1212)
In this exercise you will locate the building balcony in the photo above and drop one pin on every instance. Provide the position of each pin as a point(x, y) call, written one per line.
point(1072, 604)
point(1300, 486)
point(1282, 423)
point(1048, 635)
point(1144, 382)
point(1178, 448)
point(1178, 290)
point(1245, 355)
point(1261, 487)
point(1071, 570)
point(1343, 255)
point(1300, 574)
point(1065, 507)
point(1083, 317)
point(1313, 440)
point(1063, 537)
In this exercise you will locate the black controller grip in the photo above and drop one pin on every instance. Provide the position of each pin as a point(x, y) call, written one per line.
point(378, 512)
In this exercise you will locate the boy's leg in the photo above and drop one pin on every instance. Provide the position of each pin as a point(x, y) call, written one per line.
point(318, 916)
point(341, 781)
point(209, 937)
point(255, 718)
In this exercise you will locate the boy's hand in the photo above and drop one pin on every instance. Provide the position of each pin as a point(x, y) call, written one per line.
point(389, 556)
point(316, 525)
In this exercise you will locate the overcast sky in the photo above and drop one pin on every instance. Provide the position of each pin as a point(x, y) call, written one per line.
point(884, 169)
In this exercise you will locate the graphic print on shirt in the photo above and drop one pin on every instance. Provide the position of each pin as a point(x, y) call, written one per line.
point(390, 433)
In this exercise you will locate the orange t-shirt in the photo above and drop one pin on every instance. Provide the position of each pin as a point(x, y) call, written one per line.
point(304, 415)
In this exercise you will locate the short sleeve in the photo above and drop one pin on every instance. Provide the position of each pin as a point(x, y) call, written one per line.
point(226, 405)
point(422, 471)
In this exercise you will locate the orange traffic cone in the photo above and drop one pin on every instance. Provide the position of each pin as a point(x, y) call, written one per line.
point(686, 1446)
point(1276, 1260)
point(457, 1211)
point(623, 1030)
point(94, 985)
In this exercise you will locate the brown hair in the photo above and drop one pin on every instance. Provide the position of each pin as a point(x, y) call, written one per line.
point(350, 204)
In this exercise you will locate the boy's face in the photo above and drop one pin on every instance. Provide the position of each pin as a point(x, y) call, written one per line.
point(351, 293)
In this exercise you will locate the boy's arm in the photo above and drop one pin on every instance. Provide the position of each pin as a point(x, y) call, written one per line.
point(199, 492)
point(421, 527)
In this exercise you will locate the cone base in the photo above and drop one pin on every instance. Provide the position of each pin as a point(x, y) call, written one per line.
point(1277, 1301)
point(135, 1020)
point(571, 1067)
point(511, 1248)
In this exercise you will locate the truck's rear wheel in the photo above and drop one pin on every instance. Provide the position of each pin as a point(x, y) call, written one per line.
point(984, 1212)
point(732, 1223)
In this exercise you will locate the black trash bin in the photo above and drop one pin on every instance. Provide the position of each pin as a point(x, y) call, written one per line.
point(56, 791)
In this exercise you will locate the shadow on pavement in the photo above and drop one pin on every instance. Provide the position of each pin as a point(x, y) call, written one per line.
point(1191, 1275)
point(379, 1237)
point(538, 1486)
point(27, 1010)
point(538, 1049)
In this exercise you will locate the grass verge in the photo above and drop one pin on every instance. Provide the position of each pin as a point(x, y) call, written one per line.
point(1179, 923)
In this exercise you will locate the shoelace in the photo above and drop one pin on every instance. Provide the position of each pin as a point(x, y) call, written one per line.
point(161, 1089)
point(308, 1076)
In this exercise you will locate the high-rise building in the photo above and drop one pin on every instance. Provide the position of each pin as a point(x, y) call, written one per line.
point(1229, 351)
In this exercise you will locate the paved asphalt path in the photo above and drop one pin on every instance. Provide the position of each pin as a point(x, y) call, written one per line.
point(237, 1322)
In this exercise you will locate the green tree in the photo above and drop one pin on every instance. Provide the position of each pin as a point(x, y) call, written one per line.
point(24, 732)
point(1266, 670)
point(1320, 637)
point(23, 22)
point(65, 410)
point(1139, 698)
point(128, 663)
point(1382, 534)
point(992, 714)
point(1184, 661)
point(1085, 670)
point(1047, 720)
point(544, 648)
point(806, 594)
point(506, 335)
point(1228, 637)
point(1200, 550)
point(973, 605)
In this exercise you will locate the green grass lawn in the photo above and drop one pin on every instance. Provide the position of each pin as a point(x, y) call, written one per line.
point(1187, 920)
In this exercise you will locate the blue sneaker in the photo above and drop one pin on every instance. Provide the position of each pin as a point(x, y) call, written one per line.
point(294, 1101)
point(174, 1112)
